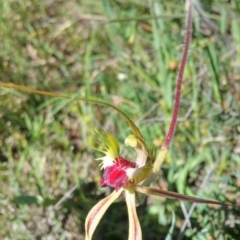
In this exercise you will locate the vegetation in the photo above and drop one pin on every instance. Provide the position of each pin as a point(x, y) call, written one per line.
point(125, 53)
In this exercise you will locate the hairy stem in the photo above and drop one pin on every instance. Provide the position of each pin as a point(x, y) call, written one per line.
point(169, 136)
point(187, 41)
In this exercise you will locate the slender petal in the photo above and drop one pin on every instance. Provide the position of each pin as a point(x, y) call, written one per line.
point(96, 213)
point(182, 197)
point(135, 232)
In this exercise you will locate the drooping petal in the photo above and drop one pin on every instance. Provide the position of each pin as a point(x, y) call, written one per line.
point(173, 195)
point(96, 213)
point(135, 232)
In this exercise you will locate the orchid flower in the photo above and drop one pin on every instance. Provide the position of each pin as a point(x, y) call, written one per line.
point(131, 177)
point(128, 177)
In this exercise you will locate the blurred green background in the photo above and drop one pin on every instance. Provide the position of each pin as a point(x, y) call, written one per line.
point(126, 53)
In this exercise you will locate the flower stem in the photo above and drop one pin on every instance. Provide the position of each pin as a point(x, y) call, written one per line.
point(169, 136)
point(187, 41)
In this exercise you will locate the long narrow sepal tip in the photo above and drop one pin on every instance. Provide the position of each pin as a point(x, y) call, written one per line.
point(173, 195)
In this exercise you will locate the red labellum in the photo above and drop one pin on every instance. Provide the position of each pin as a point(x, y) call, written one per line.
point(115, 176)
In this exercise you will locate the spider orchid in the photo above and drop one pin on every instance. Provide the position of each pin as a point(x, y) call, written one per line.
point(128, 177)
point(131, 177)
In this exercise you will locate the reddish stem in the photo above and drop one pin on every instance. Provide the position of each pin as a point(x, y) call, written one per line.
point(187, 41)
